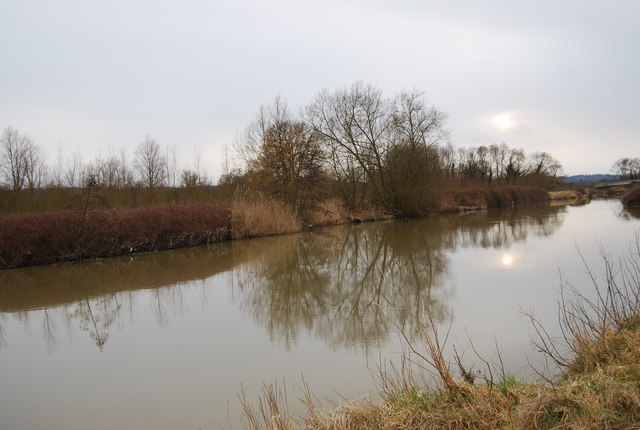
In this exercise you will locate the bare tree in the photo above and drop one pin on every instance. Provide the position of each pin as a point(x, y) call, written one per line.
point(171, 154)
point(197, 176)
point(283, 156)
point(412, 165)
point(543, 164)
point(111, 171)
point(627, 168)
point(515, 165)
point(35, 166)
point(22, 164)
point(200, 168)
point(73, 171)
point(56, 173)
point(354, 123)
point(498, 156)
point(125, 174)
point(367, 135)
point(14, 148)
point(150, 163)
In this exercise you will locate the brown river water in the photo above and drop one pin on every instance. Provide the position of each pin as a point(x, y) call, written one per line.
point(167, 340)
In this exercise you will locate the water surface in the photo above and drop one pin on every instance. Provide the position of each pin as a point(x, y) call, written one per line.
point(166, 340)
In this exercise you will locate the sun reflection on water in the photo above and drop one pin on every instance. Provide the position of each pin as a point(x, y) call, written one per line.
point(507, 260)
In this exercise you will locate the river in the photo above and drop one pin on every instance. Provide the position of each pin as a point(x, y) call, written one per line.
point(167, 340)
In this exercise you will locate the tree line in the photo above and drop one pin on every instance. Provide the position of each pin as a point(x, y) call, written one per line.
point(357, 143)
point(23, 166)
point(627, 168)
point(353, 142)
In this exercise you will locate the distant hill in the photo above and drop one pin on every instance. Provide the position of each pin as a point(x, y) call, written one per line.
point(589, 179)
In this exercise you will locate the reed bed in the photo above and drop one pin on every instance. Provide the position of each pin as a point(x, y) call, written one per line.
point(256, 216)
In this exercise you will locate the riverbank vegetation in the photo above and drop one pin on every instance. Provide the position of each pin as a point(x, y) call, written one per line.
point(595, 384)
point(353, 143)
point(352, 154)
point(66, 236)
point(632, 198)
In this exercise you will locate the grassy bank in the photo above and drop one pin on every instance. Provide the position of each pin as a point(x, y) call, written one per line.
point(72, 235)
point(596, 384)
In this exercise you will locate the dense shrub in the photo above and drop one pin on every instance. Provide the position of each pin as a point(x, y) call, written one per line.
point(632, 198)
point(51, 237)
point(498, 197)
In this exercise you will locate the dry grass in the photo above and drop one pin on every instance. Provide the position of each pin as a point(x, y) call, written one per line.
point(598, 389)
point(567, 195)
point(59, 199)
point(329, 212)
point(255, 216)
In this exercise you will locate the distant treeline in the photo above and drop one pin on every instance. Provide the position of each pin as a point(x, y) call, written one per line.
point(627, 168)
point(367, 148)
point(589, 179)
point(353, 143)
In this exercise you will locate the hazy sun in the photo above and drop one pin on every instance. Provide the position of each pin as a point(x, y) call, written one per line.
point(507, 260)
point(503, 121)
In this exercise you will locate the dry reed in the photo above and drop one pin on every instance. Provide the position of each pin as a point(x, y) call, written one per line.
point(255, 216)
point(328, 212)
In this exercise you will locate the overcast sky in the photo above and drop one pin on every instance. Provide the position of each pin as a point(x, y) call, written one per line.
point(92, 76)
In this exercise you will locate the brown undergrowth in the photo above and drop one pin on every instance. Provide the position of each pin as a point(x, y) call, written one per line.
point(256, 216)
point(65, 236)
point(632, 198)
point(38, 238)
point(496, 197)
point(597, 385)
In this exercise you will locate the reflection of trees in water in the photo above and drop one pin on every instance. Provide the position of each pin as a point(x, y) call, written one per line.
point(97, 315)
point(351, 285)
point(626, 213)
point(94, 295)
point(348, 285)
point(501, 228)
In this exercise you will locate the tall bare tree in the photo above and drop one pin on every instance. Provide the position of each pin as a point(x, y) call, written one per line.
point(627, 168)
point(367, 135)
point(150, 163)
point(73, 172)
point(543, 164)
point(21, 161)
point(12, 145)
point(171, 155)
point(354, 123)
point(413, 168)
point(35, 167)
